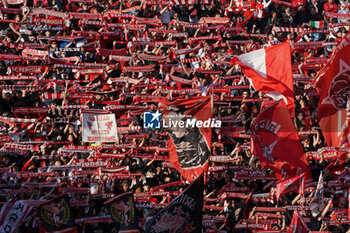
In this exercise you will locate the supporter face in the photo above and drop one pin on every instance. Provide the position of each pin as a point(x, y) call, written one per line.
point(176, 16)
point(57, 163)
point(313, 11)
point(53, 105)
point(125, 187)
point(8, 97)
point(288, 10)
point(70, 138)
point(71, 129)
point(146, 188)
point(17, 18)
point(300, 116)
point(245, 94)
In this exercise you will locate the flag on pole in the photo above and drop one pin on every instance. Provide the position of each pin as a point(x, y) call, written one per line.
point(294, 184)
point(297, 225)
point(189, 123)
point(270, 70)
point(316, 203)
point(277, 144)
point(332, 84)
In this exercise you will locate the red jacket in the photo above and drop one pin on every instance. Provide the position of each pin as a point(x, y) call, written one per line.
point(330, 7)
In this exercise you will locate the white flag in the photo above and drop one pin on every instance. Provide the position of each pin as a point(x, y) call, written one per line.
point(99, 127)
point(316, 203)
point(13, 215)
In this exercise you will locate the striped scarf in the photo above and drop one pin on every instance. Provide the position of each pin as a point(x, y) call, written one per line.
point(195, 59)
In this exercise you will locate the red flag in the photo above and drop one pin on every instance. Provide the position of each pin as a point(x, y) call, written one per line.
point(333, 85)
point(277, 144)
point(188, 123)
point(294, 184)
point(270, 70)
point(297, 224)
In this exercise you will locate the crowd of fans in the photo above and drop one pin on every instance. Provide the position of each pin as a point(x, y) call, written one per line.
point(61, 56)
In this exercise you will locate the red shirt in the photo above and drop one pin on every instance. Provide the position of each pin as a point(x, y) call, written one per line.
point(330, 7)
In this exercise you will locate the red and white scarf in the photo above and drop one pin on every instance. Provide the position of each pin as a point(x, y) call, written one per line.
point(43, 11)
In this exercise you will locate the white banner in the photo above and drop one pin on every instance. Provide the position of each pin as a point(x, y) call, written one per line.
point(14, 215)
point(99, 127)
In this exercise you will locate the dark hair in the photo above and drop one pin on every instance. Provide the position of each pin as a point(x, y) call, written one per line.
point(39, 4)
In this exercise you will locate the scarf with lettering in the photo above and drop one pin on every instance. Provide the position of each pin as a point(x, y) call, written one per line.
point(166, 31)
point(76, 15)
point(312, 45)
point(19, 87)
point(55, 22)
point(116, 52)
point(178, 79)
point(148, 68)
point(43, 11)
point(204, 38)
point(116, 14)
point(150, 57)
point(21, 147)
point(15, 2)
point(59, 38)
point(34, 52)
point(337, 15)
point(188, 25)
point(214, 20)
point(148, 21)
point(188, 50)
point(10, 57)
point(195, 59)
